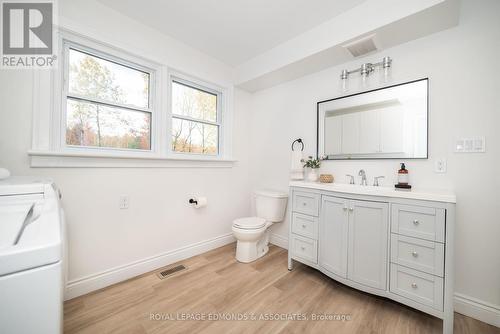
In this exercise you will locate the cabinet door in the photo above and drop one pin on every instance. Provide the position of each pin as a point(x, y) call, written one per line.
point(391, 131)
point(350, 133)
point(369, 133)
point(333, 135)
point(333, 235)
point(368, 238)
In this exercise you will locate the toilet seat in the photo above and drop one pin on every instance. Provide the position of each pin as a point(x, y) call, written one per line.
point(249, 223)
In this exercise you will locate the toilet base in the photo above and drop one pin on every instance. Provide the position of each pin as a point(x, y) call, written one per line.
point(249, 251)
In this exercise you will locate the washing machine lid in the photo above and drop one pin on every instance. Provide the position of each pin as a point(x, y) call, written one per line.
point(12, 218)
point(250, 223)
point(30, 230)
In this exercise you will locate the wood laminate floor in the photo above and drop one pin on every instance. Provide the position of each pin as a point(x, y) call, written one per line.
point(215, 285)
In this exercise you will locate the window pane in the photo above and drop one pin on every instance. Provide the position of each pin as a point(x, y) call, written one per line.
point(194, 137)
point(93, 77)
point(89, 124)
point(194, 103)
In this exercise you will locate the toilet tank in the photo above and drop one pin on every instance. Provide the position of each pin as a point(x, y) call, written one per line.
point(270, 205)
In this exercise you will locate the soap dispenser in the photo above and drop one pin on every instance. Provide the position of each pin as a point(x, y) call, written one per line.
point(403, 178)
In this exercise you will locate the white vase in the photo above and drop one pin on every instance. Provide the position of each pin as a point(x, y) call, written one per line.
point(313, 176)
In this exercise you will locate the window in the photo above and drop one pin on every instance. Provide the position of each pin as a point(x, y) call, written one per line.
point(107, 107)
point(107, 101)
point(196, 118)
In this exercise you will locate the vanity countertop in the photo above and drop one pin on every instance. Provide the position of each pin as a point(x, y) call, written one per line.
point(418, 194)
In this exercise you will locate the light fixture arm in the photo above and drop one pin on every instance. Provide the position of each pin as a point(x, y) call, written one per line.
point(367, 68)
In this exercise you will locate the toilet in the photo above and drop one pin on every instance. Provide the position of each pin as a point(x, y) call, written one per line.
point(252, 233)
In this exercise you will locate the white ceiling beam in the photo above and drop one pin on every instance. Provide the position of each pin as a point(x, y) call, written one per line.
point(394, 22)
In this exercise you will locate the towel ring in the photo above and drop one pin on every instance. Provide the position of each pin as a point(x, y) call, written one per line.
point(298, 141)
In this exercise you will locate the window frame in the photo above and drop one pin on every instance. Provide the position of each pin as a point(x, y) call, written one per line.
point(200, 85)
point(49, 147)
point(119, 59)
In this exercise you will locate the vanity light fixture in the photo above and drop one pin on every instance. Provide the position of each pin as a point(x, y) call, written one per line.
point(366, 69)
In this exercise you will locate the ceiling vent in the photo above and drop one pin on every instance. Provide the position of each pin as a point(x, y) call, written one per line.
point(361, 46)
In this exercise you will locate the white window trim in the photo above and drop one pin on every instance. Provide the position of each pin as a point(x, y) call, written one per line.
point(49, 147)
point(221, 106)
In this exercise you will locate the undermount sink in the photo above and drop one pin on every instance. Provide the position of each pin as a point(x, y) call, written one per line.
point(359, 187)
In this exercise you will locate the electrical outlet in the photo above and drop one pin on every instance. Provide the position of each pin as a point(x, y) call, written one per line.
point(123, 202)
point(440, 166)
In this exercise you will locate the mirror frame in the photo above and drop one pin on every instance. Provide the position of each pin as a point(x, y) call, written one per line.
point(369, 91)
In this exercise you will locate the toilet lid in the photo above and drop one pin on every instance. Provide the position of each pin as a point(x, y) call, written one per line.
point(249, 223)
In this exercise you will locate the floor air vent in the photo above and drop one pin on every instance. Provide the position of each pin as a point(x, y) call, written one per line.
point(170, 271)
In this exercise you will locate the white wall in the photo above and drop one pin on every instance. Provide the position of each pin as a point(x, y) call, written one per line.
point(159, 220)
point(463, 102)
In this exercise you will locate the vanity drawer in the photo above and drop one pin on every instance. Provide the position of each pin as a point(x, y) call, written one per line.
point(423, 255)
point(418, 286)
point(304, 248)
point(305, 225)
point(418, 221)
point(306, 203)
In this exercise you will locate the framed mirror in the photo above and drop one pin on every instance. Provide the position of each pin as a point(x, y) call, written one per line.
point(385, 123)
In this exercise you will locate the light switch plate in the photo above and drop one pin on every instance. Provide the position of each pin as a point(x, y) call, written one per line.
point(470, 145)
point(459, 145)
point(440, 166)
point(123, 202)
point(479, 144)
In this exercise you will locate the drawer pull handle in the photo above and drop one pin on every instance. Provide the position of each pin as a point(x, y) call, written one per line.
point(416, 222)
point(415, 254)
point(414, 285)
point(303, 225)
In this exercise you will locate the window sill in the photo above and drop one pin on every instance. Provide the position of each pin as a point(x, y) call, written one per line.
point(42, 159)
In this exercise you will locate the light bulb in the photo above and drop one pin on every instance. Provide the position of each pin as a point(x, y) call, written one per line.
point(386, 72)
point(344, 82)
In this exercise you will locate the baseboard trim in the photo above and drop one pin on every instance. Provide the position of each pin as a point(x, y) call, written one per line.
point(279, 240)
point(106, 278)
point(477, 309)
point(463, 304)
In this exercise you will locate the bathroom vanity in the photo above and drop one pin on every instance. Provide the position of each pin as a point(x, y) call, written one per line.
point(395, 244)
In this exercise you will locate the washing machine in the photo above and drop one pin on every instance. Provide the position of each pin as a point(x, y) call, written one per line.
point(32, 256)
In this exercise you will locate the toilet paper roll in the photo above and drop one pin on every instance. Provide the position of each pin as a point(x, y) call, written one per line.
point(201, 202)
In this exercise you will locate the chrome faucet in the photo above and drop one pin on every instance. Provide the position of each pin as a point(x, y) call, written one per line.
point(375, 180)
point(351, 178)
point(362, 173)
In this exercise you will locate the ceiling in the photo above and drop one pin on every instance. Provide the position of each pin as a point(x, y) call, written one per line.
point(232, 31)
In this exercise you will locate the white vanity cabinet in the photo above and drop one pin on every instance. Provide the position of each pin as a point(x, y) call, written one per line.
point(357, 228)
point(367, 251)
point(391, 243)
point(333, 235)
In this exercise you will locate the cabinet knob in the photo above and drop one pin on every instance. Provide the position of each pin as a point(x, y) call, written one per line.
point(304, 203)
point(303, 225)
point(416, 222)
point(415, 254)
point(351, 209)
point(414, 285)
point(303, 248)
point(345, 208)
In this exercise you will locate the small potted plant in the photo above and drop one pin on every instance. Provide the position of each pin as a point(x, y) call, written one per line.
point(313, 165)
